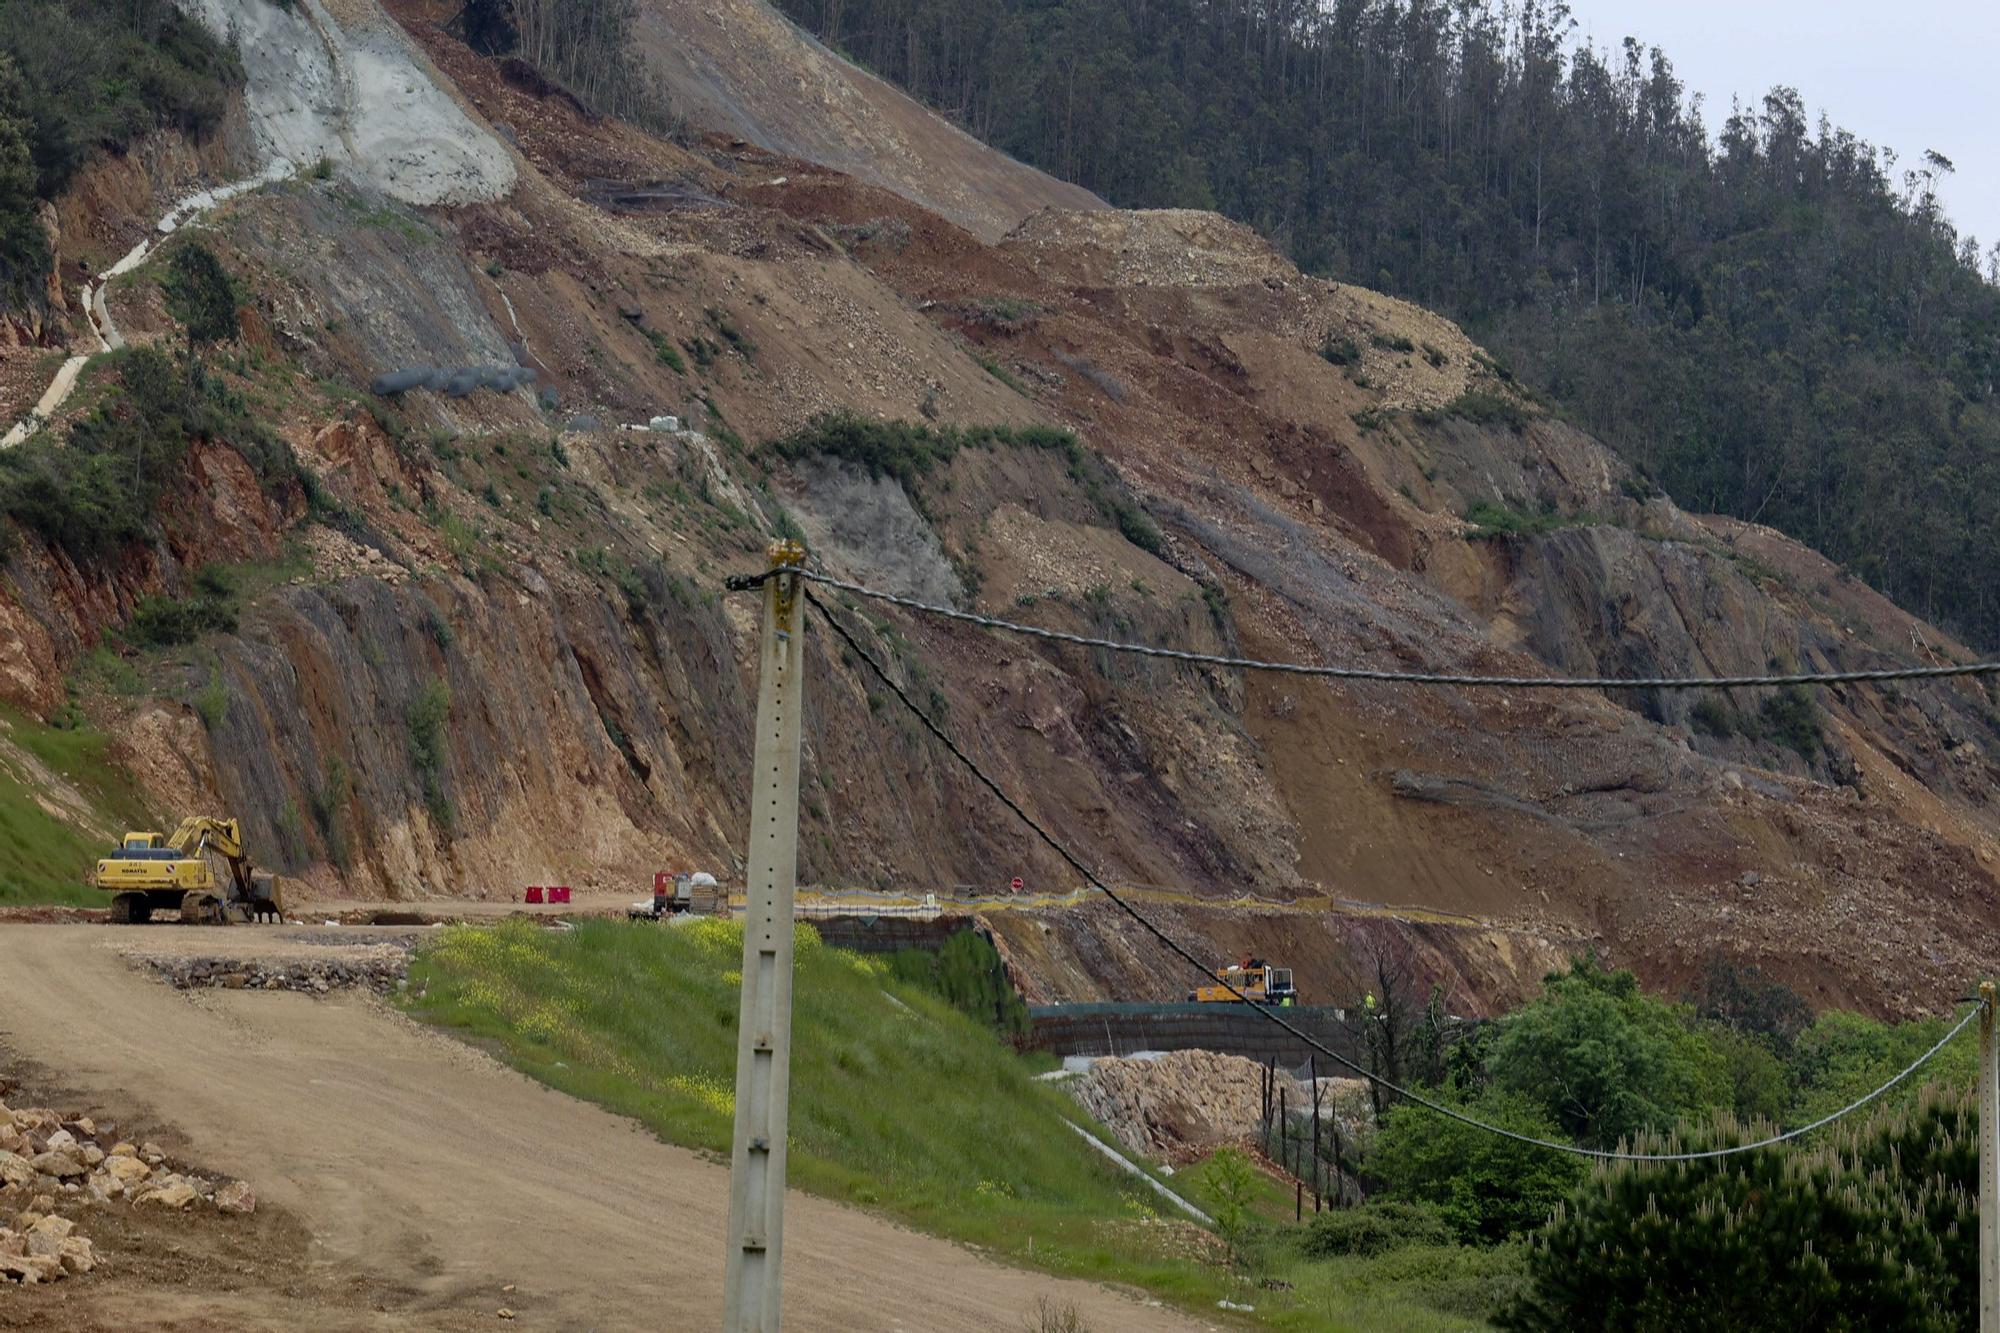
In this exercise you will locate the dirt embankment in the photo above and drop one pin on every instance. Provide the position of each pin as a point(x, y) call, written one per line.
point(738, 67)
point(423, 1185)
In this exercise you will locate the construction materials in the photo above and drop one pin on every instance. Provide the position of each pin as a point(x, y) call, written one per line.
point(1253, 980)
point(151, 872)
point(674, 894)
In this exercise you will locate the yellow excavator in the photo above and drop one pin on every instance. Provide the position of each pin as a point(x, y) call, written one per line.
point(152, 872)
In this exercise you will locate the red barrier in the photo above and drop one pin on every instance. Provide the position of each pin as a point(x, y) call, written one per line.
point(559, 894)
point(534, 893)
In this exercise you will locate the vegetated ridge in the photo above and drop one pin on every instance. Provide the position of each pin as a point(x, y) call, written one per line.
point(1777, 322)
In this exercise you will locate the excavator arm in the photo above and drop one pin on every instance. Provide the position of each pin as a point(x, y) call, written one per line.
point(253, 891)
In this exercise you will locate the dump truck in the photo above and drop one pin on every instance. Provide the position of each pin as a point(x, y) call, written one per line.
point(200, 870)
point(1255, 980)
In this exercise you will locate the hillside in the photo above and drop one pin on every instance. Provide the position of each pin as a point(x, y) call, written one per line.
point(476, 641)
point(1775, 319)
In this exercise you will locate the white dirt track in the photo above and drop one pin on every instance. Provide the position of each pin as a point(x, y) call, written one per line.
point(431, 1168)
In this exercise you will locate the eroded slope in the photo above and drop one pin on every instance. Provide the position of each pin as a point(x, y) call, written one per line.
point(497, 653)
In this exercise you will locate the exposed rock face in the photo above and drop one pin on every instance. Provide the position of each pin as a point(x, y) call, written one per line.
point(343, 83)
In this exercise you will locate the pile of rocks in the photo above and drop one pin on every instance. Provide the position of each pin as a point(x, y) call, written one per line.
point(314, 976)
point(43, 1247)
point(46, 1158)
point(1177, 1105)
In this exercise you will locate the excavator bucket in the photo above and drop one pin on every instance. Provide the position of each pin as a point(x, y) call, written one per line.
point(267, 901)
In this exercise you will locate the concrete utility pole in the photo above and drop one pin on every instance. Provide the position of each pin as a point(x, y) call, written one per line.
point(755, 1268)
point(1989, 1165)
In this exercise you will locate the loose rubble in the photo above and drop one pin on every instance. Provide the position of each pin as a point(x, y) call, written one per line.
point(1178, 1105)
point(315, 976)
point(48, 1161)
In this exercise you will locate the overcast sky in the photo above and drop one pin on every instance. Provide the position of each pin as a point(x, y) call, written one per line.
point(1911, 76)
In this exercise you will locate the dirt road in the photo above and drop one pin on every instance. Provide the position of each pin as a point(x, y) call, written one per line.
point(422, 1168)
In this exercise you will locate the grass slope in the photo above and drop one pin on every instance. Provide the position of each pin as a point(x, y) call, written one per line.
point(899, 1102)
point(45, 850)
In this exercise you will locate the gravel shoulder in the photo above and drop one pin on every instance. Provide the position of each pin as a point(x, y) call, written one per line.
point(421, 1166)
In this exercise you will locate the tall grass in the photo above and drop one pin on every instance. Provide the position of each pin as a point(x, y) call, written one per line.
point(899, 1102)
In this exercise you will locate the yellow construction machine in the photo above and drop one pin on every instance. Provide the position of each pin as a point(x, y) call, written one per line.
point(151, 872)
point(1259, 982)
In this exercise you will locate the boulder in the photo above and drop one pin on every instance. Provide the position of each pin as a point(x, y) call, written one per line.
point(61, 1141)
point(92, 1154)
point(52, 1225)
point(78, 1255)
point(14, 1170)
point(12, 1242)
point(6, 1117)
point(58, 1164)
point(170, 1192)
point(124, 1150)
point(236, 1196)
point(151, 1154)
point(41, 1203)
point(127, 1171)
point(10, 1138)
point(30, 1268)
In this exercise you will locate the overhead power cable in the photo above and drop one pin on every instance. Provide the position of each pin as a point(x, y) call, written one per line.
point(1384, 674)
point(1277, 1017)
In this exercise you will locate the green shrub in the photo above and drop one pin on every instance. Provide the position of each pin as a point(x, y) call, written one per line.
point(1487, 409)
point(328, 800)
point(1469, 1281)
point(164, 622)
point(1342, 351)
point(1227, 1183)
point(1792, 720)
point(1395, 343)
point(1874, 1228)
point(211, 701)
point(665, 352)
point(426, 716)
point(1712, 717)
point(1375, 1227)
point(201, 295)
point(1499, 520)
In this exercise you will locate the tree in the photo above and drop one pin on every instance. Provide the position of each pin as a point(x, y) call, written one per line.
point(201, 294)
point(1603, 1060)
point(1740, 996)
point(1487, 1187)
point(24, 248)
